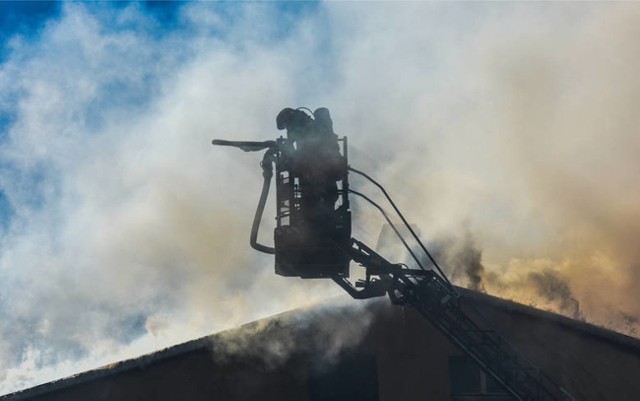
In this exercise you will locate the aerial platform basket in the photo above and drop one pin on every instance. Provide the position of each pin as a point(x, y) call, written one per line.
point(310, 238)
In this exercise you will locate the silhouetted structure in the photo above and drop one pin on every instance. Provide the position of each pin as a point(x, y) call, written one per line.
point(312, 240)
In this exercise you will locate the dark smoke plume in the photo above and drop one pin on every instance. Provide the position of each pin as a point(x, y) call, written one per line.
point(469, 258)
point(461, 259)
point(552, 287)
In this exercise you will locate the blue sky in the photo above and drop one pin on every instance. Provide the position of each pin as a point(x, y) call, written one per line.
point(123, 231)
point(24, 19)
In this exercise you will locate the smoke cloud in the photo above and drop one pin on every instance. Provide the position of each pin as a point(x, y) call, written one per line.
point(524, 136)
point(329, 330)
point(511, 128)
point(130, 231)
point(460, 259)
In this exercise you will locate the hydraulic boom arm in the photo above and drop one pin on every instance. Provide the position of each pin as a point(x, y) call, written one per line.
point(438, 302)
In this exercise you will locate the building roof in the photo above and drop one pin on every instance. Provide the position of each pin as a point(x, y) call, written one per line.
point(485, 303)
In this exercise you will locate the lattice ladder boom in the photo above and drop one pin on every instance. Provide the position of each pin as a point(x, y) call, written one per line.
point(437, 301)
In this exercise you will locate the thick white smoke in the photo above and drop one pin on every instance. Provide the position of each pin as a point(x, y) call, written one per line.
point(520, 133)
point(510, 126)
point(131, 230)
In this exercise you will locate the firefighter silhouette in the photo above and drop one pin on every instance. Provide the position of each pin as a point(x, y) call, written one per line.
point(316, 160)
